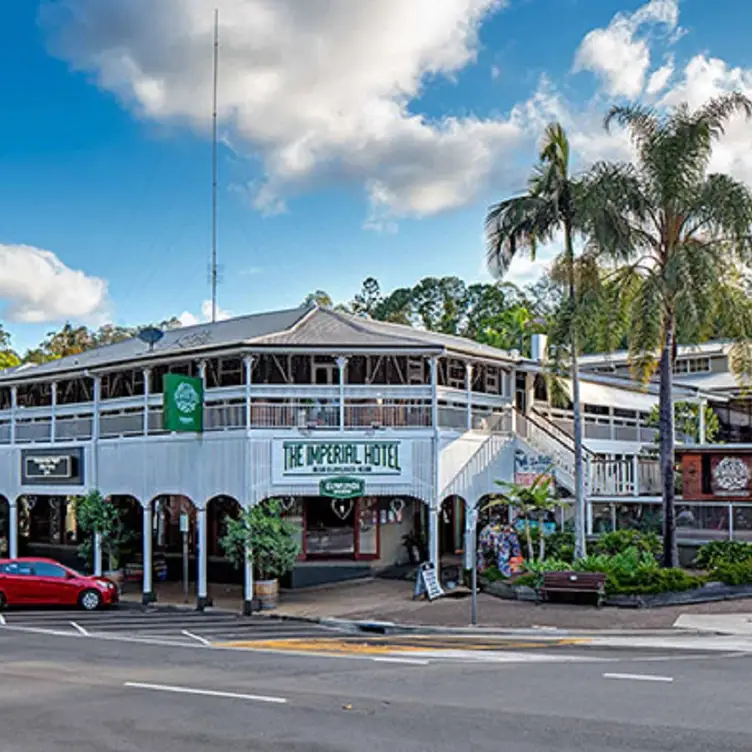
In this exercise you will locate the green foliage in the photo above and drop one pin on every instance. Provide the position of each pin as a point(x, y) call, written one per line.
point(619, 541)
point(272, 538)
point(737, 573)
point(559, 544)
point(531, 501)
point(94, 514)
point(492, 574)
point(722, 552)
point(687, 422)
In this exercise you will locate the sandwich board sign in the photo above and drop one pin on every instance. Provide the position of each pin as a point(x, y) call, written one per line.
point(427, 582)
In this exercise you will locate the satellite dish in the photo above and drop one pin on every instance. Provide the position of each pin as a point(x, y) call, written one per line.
point(150, 335)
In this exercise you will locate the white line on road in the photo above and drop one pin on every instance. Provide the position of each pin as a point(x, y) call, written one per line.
point(205, 692)
point(2, 620)
point(196, 637)
point(79, 628)
point(411, 661)
point(640, 677)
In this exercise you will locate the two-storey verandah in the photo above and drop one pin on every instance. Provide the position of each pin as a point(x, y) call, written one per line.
point(307, 375)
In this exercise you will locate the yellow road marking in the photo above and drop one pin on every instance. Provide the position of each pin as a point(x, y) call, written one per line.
point(382, 646)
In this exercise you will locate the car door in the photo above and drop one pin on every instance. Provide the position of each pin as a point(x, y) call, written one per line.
point(17, 583)
point(56, 586)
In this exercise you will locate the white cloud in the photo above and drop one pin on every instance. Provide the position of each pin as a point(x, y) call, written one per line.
point(706, 77)
point(191, 319)
point(617, 55)
point(317, 89)
point(37, 287)
point(660, 77)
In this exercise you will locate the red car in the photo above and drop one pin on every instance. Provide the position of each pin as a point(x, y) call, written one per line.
point(44, 582)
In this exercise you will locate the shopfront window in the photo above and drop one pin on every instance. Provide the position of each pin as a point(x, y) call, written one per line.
point(330, 527)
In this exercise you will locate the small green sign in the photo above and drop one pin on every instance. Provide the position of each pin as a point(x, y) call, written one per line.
point(342, 488)
point(183, 405)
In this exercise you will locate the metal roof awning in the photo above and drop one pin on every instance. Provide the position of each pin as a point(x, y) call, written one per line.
point(604, 395)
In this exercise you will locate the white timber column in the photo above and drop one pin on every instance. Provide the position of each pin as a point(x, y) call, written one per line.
point(13, 528)
point(203, 594)
point(95, 468)
point(469, 393)
point(248, 367)
point(701, 421)
point(147, 593)
point(147, 387)
point(13, 408)
point(342, 366)
point(434, 507)
point(53, 405)
point(248, 581)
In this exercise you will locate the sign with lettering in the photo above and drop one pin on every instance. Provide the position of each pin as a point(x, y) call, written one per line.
point(309, 461)
point(342, 488)
point(52, 467)
point(527, 467)
point(427, 582)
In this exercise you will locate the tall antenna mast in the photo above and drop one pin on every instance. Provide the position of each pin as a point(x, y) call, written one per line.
point(214, 170)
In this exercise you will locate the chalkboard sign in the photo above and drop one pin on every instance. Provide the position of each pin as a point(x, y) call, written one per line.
point(427, 582)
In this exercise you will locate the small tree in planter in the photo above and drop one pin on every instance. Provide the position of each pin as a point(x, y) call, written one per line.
point(95, 515)
point(273, 541)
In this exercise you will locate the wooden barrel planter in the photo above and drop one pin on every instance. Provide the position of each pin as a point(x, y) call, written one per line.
point(267, 593)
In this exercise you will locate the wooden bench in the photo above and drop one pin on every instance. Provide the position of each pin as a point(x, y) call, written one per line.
point(589, 583)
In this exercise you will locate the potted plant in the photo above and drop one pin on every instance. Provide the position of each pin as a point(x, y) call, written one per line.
point(95, 515)
point(273, 543)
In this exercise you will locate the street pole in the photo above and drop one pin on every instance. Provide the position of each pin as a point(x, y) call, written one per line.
point(471, 561)
point(184, 531)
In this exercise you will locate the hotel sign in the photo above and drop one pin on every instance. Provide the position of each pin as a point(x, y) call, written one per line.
point(309, 461)
point(45, 467)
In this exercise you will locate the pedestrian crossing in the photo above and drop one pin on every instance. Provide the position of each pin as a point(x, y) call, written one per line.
point(183, 626)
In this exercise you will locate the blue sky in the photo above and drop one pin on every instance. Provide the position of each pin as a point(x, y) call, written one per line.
point(383, 136)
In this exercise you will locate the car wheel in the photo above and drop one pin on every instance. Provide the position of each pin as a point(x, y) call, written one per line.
point(3, 601)
point(90, 600)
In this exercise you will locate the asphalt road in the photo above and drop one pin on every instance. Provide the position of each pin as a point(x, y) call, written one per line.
point(64, 692)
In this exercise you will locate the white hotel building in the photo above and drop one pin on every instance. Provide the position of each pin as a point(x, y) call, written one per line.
point(418, 426)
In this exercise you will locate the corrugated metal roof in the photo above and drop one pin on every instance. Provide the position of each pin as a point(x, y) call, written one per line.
point(188, 338)
point(296, 327)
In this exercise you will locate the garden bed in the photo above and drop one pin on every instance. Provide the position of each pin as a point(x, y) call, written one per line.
point(712, 591)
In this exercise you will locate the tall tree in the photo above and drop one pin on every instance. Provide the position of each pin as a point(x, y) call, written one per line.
point(679, 236)
point(519, 224)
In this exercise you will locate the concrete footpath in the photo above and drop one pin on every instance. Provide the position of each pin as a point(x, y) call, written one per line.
point(376, 600)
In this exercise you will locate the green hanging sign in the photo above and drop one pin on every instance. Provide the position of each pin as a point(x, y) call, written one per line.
point(342, 488)
point(183, 403)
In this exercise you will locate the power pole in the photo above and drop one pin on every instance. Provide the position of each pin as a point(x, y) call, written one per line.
point(214, 170)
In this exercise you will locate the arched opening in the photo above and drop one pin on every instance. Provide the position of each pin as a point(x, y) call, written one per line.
point(347, 538)
point(451, 529)
point(4, 526)
point(171, 515)
point(219, 510)
point(47, 527)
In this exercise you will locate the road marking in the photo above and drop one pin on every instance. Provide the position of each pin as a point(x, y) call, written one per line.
point(196, 637)
point(79, 628)
point(205, 692)
point(640, 677)
point(411, 661)
point(2, 620)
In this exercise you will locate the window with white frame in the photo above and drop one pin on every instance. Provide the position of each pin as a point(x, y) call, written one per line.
point(692, 365)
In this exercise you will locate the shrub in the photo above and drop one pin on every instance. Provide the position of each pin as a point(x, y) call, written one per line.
point(560, 545)
point(528, 580)
point(716, 553)
point(652, 582)
point(619, 541)
point(733, 573)
point(492, 574)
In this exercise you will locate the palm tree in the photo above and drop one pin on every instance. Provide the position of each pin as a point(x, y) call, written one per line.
point(676, 235)
point(519, 224)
